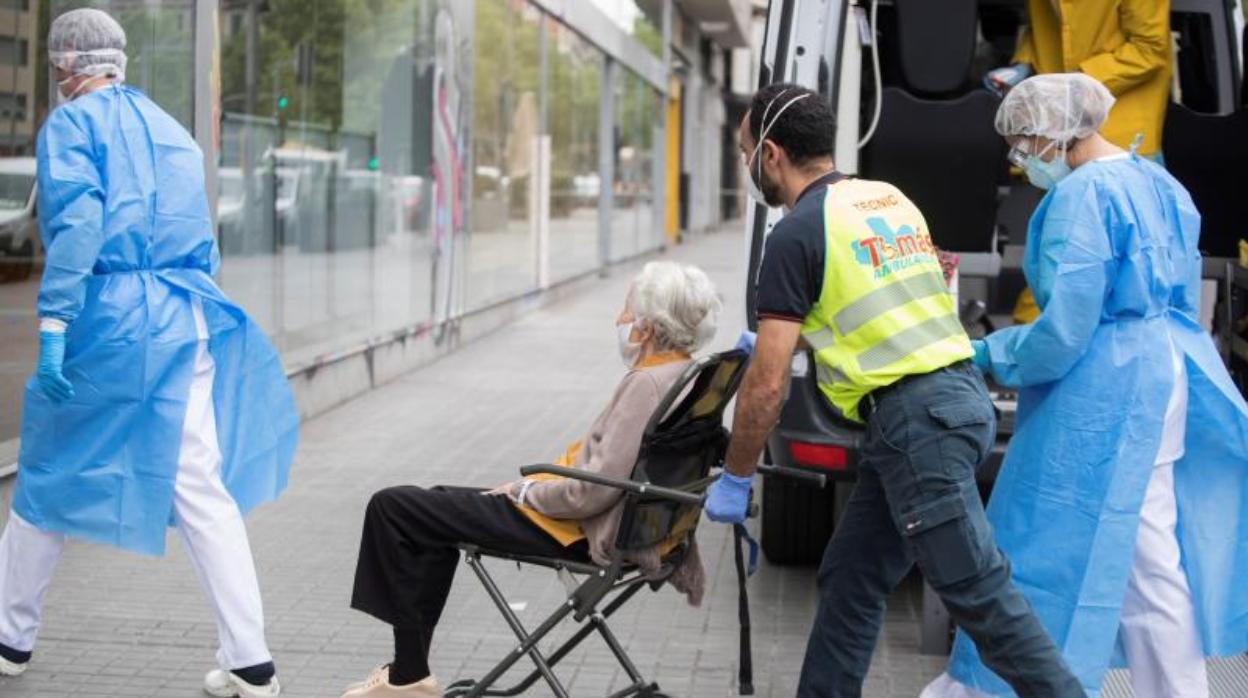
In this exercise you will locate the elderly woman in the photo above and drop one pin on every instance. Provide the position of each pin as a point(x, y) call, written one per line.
point(408, 552)
point(1121, 499)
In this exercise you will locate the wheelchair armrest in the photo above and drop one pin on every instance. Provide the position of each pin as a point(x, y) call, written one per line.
point(668, 493)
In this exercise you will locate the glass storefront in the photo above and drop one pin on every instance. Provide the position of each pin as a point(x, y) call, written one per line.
point(381, 166)
point(506, 112)
point(633, 228)
point(160, 60)
point(343, 165)
point(23, 100)
point(575, 89)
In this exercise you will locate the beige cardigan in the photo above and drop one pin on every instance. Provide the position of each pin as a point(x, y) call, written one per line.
point(611, 447)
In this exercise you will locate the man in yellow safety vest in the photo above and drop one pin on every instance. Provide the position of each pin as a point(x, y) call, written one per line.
point(851, 271)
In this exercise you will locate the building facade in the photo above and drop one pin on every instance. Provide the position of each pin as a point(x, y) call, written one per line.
point(391, 177)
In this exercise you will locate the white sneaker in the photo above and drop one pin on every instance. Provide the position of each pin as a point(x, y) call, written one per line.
point(8, 668)
point(224, 684)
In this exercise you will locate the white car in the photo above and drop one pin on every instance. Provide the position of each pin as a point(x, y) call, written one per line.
point(20, 244)
point(270, 212)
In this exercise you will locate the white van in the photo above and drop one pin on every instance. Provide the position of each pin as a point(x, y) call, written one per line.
point(904, 77)
point(20, 246)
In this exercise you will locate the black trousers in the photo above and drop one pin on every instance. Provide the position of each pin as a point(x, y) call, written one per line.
point(916, 502)
point(407, 552)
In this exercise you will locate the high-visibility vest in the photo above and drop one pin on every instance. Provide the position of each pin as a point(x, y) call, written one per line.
point(884, 311)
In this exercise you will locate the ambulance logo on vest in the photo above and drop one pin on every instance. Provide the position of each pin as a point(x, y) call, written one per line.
point(890, 251)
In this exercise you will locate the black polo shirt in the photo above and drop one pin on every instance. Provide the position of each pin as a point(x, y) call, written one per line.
point(790, 278)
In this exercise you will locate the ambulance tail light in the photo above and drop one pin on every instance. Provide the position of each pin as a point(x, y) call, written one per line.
point(822, 456)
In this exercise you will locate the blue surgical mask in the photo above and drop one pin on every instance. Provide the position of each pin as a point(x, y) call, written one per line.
point(1046, 175)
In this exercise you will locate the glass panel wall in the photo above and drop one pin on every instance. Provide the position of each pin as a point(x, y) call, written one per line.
point(342, 165)
point(632, 220)
point(506, 125)
point(575, 93)
point(650, 132)
point(378, 161)
point(23, 100)
point(159, 35)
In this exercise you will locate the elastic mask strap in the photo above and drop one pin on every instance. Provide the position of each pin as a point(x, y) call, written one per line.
point(766, 126)
point(1063, 148)
point(762, 129)
point(78, 90)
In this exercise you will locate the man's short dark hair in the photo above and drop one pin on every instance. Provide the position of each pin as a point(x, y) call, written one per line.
point(806, 130)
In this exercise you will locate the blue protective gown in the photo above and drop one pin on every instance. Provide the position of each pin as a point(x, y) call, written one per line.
point(129, 240)
point(1112, 256)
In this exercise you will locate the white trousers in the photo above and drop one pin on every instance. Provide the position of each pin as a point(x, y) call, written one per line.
point(208, 521)
point(1158, 631)
point(1158, 624)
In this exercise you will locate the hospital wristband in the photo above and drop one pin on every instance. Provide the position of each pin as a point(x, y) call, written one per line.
point(524, 489)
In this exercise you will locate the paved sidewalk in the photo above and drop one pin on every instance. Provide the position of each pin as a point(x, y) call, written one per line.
point(121, 625)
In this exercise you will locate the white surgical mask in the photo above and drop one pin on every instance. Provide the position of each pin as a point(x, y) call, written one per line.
point(629, 351)
point(62, 98)
point(751, 187)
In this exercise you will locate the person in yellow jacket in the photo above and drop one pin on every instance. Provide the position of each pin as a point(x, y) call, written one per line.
point(1124, 44)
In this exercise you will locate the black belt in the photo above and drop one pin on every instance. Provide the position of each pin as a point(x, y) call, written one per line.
point(867, 405)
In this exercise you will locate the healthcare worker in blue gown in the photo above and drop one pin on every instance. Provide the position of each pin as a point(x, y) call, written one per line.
point(156, 402)
point(1123, 500)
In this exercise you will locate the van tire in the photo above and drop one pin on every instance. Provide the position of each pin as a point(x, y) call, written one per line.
point(797, 520)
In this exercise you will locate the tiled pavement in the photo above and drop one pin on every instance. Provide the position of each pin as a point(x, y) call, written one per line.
point(121, 625)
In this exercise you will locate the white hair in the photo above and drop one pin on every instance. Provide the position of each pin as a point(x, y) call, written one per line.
point(679, 302)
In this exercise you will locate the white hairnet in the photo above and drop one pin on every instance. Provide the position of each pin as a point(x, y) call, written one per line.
point(88, 42)
point(1059, 106)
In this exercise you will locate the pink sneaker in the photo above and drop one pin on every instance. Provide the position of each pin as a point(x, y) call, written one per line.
point(378, 685)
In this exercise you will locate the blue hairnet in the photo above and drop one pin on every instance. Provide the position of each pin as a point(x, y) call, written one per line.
point(1059, 106)
point(88, 42)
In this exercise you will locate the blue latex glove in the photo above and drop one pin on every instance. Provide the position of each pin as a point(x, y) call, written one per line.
point(728, 498)
point(746, 342)
point(51, 358)
point(1002, 79)
point(981, 360)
